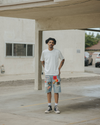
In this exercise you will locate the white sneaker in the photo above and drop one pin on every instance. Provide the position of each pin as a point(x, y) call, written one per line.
point(56, 110)
point(49, 109)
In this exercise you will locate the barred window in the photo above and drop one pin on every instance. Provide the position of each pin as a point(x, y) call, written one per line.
point(8, 49)
point(29, 50)
point(19, 49)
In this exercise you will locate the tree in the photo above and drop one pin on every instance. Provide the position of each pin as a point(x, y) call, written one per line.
point(98, 36)
point(91, 40)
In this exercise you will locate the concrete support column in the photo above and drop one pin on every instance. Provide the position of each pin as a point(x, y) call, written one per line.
point(38, 66)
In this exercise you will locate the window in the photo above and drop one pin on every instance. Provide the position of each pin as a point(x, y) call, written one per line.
point(19, 49)
point(8, 49)
point(29, 50)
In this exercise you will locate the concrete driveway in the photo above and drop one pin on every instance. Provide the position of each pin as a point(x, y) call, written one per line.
point(92, 69)
point(79, 104)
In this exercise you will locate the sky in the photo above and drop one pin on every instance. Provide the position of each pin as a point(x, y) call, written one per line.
point(95, 33)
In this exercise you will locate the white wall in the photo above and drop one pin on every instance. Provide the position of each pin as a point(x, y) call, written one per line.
point(21, 30)
point(13, 1)
point(17, 1)
point(16, 30)
point(68, 42)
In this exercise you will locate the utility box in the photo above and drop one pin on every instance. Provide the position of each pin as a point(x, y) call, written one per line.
point(2, 69)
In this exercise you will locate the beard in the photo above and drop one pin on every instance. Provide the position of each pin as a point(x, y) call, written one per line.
point(51, 46)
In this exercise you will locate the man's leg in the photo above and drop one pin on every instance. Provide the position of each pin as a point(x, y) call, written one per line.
point(48, 88)
point(56, 96)
point(56, 110)
point(57, 90)
point(49, 103)
point(49, 97)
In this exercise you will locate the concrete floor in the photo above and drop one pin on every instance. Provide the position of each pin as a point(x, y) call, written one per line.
point(79, 104)
point(6, 78)
point(92, 69)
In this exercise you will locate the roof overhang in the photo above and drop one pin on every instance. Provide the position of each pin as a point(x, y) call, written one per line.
point(78, 10)
point(94, 30)
point(35, 9)
point(22, 5)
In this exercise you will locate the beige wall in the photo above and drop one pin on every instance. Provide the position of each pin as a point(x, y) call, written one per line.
point(68, 42)
point(17, 1)
point(16, 30)
point(19, 30)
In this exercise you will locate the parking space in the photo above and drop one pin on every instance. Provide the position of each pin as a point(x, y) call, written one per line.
point(79, 103)
point(92, 69)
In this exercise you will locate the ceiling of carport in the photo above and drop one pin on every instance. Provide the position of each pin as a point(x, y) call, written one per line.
point(51, 9)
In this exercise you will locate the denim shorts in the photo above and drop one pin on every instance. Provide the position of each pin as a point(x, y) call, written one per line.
point(52, 80)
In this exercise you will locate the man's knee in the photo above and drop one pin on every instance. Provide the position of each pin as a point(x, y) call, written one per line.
point(49, 93)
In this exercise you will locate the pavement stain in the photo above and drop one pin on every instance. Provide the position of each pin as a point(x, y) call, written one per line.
point(90, 104)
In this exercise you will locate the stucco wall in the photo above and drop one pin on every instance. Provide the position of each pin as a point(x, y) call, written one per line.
point(16, 30)
point(69, 42)
point(19, 30)
point(18, 1)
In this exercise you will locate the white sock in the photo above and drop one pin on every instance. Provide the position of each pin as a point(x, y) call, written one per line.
point(49, 103)
point(56, 104)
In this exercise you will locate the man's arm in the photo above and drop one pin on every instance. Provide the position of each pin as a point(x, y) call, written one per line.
point(61, 64)
point(43, 63)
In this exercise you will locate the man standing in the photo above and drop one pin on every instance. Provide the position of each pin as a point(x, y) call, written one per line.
point(50, 61)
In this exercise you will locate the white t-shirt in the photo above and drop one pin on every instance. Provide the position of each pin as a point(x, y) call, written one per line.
point(51, 59)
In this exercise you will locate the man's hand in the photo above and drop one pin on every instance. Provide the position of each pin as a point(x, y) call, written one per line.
point(61, 64)
point(43, 63)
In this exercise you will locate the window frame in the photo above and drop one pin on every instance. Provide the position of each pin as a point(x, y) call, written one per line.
point(33, 50)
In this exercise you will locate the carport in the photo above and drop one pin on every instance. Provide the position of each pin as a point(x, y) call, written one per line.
point(53, 15)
